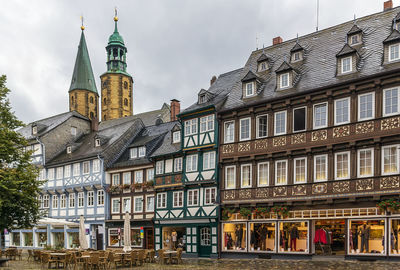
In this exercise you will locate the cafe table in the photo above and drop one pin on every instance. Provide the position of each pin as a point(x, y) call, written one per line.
point(58, 257)
point(169, 253)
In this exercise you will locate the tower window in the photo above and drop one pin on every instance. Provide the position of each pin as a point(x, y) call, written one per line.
point(126, 102)
point(125, 85)
point(105, 101)
point(97, 142)
point(72, 100)
point(104, 118)
point(91, 100)
point(91, 115)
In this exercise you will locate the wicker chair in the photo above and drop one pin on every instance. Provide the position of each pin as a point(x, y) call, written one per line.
point(151, 254)
point(178, 257)
point(161, 257)
point(114, 259)
point(19, 254)
point(94, 260)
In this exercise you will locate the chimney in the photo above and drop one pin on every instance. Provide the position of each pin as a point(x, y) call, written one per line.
point(94, 124)
point(277, 40)
point(387, 5)
point(213, 79)
point(175, 109)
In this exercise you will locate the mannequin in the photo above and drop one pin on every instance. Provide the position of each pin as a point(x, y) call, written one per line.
point(174, 236)
point(263, 237)
point(364, 233)
point(294, 235)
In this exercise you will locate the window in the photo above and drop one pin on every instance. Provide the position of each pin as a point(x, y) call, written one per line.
point(96, 165)
point(390, 160)
point(193, 197)
point(208, 160)
point(37, 149)
point(300, 170)
point(71, 200)
point(342, 111)
point(202, 99)
point(191, 127)
point(210, 194)
point(365, 162)
point(126, 176)
point(263, 174)
point(115, 178)
point(342, 165)
point(77, 169)
point(126, 205)
point(390, 101)
point(245, 173)
point(80, 199)
point(284, 80)
point(320, 115)
point(42, 174)
point(46, 201)
point(138, 204)
point(63, 201)
point(50, 174)
point(67, 171)
point(262, 126)
point(347, 64)
point(160, 167)
point(115, 205)
point(69, 149)
point(97, 142)
point(296, 56)
point(394, 52)
point(149, 203)
point(207, 123)
point(280, 123)
point(178, 198)
point(230, 177)
point(229, 132)
point(59, 174)
point(54, 199)
point(161, 200)
point(142, 151)
point(100, 197)
point(245, 127)
point(320, 168)
point(176, 137)
point(191, 163)
point(150, 174)
point(299, 119)
point(138, 177)
point(366, 106)
point(178, 164)
point(34, 130)
point(281, 172)
point(354, 39)
point(86, 167)
point(249, 89)
point(133, 152)
point(90, 198)
point(262, 66)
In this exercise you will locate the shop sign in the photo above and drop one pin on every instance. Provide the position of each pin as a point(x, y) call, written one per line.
point(141, 232)
point(87, 231)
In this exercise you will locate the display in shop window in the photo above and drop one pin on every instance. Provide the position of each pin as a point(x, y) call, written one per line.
point(367, 236)
point(234, 236)
point(262, 236)
point(293, 237)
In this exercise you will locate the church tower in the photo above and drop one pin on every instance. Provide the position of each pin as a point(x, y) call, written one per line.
point(83, 96)
point(116, 83)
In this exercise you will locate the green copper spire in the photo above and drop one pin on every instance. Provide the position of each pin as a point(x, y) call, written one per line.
point(116, 38)
point(83, 78)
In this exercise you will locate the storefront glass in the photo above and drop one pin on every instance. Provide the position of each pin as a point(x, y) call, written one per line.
point(28, 239)
point(58, 240)
point(329, 237)
point(394, 236)
point(136, 240)
point(293, 236)
point(234, 237)
point(114, 236)
point(262, 236)
point(16, 239)
point(174, 237)
point(73, 239)
point(42, 239)
point(366, 237)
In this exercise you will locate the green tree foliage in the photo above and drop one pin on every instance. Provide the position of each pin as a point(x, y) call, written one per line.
point(19, 186)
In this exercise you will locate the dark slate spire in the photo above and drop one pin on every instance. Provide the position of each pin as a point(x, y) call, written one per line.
point(83, 78)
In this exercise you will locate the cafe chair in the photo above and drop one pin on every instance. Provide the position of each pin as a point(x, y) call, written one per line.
point(141, 256)
point(30, 254)
point(177, 258)
point(114, 259)
point(162, 259)
point(19, 254)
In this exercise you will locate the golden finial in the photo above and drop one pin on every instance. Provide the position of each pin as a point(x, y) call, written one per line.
point(82, 27)
point(116, 13)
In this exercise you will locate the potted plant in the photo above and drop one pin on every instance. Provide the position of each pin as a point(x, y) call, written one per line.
point(245, 212)
point(281, 211)
point(389, 205)
point(150, 183)
point(114, 189)
point(126, 186)
point(227, 213)
point(261, 212)
point(138, 185)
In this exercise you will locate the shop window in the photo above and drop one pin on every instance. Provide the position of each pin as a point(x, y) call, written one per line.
point(234, 237)
point(367, 237)
point(262, 236)
point(174, 237)
point(41, 237)
point(394, 236)
point(293, 237)
point(16, 239)
point(136, 240)
point(114, 237)
point(28, 239)
point(73, 239)
point(58, 239)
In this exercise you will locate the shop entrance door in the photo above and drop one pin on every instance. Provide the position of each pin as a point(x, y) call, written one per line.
point(205, 241)
point(329, 237)
point(149, 239)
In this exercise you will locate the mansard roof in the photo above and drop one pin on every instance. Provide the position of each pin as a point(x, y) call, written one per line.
point(347, 49)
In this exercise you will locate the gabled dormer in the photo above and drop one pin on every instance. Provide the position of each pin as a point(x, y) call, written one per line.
point(69, 149)
point(285, 75)
point(296, 53)
point(354, 36)
point(391, 45)
point(262, 63)
point(204, 96)
point(250, 84)
point(346, 60)
point(396, 22)
point(34, 129)
point(176, 134)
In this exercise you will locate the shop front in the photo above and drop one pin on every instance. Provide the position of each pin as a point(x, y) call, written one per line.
point(141, 235)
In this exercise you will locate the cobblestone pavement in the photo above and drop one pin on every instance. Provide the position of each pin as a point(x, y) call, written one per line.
point(242, 264)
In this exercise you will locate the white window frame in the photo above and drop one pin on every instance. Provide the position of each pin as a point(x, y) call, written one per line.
point(63, 201)
point(208, 195)
point(60, 172)
point(54, 201)
point(208, 121)
point(50, 174)
point(246, 94)
point(90, 198)
point(390, 54)
point(161, 200)
point(135, 198)
point(383, 159)
point(46, 201)
point(226, 140)
point(81, 199)
point(147, 203)
point(160, 167)
point(359, 106)
point(294, 170)
point(138, 177)
point(133, 152)
point(86, 163)
point(326, 115)
point(275, 122)
point(150, 174)
point(384, 101)
point(305, 119)
point(100, 197)
point(191, 165)
point(348, 111)
point(176, 136)
point(348, 165)
point(178, 164)
point(350, 65)
point(112, 205)
point(359, 162)
point(142, 151)
point(127, 207)
point(76, 169)
point(114, 177)
point(326, 168)
point(193, 192)
point(240, 129)
point(234, 177)
point(281, 86)
point(179, 196)
point(71, 200)
point(258, 126)
point(96, 165)
point(250, 176)
point(67, 171)
point(192, 127)
point(209, 164)
point(276, 172)
point(258, 174)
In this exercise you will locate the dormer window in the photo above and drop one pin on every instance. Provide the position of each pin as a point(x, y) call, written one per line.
point(285, 75)
point(137, 152)
point(346, 60)
point(202, 99)
point(262, 63)
point(34, 130)
point(262, 66)
point(347, 64)
point(249, 89)
point(296, 53)
point(284, 80)
point(394, 52)
point(69, 149)
point(133, 153)
point(142, 151)
point(176, 137)
point(355, 39)
point(250, 84)
point(354, 36)
point(97, 142)
point(296, 56)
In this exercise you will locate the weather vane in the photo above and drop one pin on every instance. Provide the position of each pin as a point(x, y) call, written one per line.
point(82, 27)
point(116, 14)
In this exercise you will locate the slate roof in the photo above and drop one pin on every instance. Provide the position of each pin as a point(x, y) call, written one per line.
point(347, 49)
point(354, 30)
point(394, 36)
point(249, 76)
point(318, 69)
point(167, 147)
point(47, 124)
point(263, 57)
point(297, 47)
point(284, 66)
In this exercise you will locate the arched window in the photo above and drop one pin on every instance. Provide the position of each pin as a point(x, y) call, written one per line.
point(126, 102)
point(72, 100)
point(91, 100)
point(125, 85)
point(105, 101)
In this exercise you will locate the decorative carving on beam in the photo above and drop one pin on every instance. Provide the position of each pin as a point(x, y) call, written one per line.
point(364, 184)
point(365, 127)
point(298, 138)
point(319, 135)
point(279, 141)
point(342, 131)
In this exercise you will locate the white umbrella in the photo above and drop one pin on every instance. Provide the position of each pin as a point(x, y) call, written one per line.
point(127, 232)
point(82, 234)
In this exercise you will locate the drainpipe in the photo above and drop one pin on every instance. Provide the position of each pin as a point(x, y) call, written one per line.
point(106, 200)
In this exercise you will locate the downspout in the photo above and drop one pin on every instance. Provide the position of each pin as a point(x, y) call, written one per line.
point(105, 237)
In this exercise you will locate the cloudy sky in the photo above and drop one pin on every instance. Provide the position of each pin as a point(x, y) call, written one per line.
point(174, 46)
